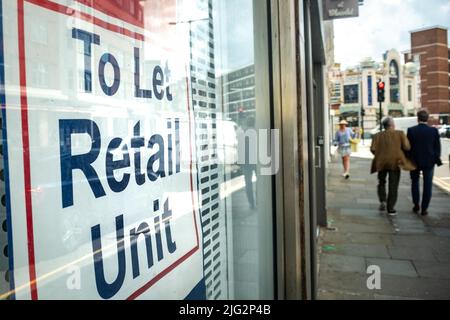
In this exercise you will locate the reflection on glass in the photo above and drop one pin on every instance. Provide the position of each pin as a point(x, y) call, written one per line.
point(127, 125)
point(242, 75)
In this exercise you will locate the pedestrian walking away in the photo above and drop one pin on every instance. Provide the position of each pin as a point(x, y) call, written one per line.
point(426, 153)
point(389, 148)
point(343, 139)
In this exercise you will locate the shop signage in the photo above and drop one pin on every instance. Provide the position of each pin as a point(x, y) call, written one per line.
point(100, 146)
point(338, 9)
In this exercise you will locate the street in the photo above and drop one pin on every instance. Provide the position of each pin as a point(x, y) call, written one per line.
point(412, 252)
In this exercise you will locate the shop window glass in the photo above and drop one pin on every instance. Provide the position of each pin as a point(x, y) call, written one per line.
point(121, 166)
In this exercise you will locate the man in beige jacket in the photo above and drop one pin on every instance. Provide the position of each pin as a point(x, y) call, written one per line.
point(389, 147)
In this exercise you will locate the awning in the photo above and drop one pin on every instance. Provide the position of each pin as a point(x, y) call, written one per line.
point(350, 108)
point(395, 107)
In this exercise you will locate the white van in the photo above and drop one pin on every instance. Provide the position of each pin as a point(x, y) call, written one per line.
point(405, 123)
point(400, 124)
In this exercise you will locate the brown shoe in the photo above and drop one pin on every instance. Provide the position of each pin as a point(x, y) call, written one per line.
point(424, 212)
point(416, 208)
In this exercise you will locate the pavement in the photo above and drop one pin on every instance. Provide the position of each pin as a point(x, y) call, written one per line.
point(411, 251)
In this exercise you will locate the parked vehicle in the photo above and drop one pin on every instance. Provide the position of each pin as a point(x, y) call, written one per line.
point(443, 130)
point(400, 124)
point(447, 133)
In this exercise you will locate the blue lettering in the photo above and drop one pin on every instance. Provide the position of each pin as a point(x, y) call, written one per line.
point(82, 162)
point(111, 166)
point(160, 77)
point(157, 157)
point(109, 58)
point(167, 216)
point(159, 248)
point(158, 81)
point(143, 229)
point(88, 39)
point(108, 290)
point(156, 164)
point(139, 93)
point(137, 142)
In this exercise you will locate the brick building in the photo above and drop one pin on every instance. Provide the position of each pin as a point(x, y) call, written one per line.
point(429, 47)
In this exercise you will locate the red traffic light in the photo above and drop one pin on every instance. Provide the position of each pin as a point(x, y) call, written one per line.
point(380, 86)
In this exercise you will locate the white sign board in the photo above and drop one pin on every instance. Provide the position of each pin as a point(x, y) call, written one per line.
point(100, 139)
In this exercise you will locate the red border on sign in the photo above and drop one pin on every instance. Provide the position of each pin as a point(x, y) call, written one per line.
point(111, 8)
point(86, 17)
point(26, 141)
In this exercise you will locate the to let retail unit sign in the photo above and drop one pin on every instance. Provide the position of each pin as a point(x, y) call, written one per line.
point(100, 142)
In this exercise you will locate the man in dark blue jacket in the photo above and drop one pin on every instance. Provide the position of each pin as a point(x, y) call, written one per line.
point(426, 153)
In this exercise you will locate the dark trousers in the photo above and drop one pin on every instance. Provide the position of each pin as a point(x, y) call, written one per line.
point(427, 187)
point(394, 180)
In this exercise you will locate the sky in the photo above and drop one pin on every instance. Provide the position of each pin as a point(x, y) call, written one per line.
point(234, 34)
point(383, 25)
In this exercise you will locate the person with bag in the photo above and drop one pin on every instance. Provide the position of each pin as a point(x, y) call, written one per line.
point(343, 139)
point(389, 148)
point(426, 153)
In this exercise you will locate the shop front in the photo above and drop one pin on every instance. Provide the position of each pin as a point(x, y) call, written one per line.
point(156, 150)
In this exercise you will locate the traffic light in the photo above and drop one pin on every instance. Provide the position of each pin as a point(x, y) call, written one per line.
point(380, 87)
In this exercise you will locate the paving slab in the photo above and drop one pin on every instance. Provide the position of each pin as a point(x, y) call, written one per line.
point(422, 288)
point(358, 238)
point(358, 250)
point(343, 263)
point(441, 254)
point(424, 240)
point(394, 267)
point(436, 270)
point(441, 232)
point(412, 253)
point(345, 226)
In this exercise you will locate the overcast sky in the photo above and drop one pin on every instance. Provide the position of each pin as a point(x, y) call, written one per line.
point(383, 25)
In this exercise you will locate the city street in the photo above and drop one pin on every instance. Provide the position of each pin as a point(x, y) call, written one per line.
point(412, 252)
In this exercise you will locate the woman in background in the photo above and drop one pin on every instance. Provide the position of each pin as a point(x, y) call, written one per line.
point(342, 139)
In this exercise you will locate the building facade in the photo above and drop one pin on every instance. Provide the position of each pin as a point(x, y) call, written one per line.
point(354, 90)
point(429, 48)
